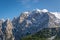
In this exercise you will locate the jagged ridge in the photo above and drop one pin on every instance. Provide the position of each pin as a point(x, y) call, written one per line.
point(28, 23)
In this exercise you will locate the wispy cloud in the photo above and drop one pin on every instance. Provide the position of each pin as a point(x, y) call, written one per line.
point(28, 3)
point(25, 3)
point(36, 1)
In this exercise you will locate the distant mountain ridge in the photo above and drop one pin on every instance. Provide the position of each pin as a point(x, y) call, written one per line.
point(28, 23)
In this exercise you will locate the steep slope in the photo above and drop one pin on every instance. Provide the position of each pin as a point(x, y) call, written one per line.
point(32, 22)
point(44, 34)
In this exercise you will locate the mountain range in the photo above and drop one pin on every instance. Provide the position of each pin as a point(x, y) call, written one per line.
point(28, 23)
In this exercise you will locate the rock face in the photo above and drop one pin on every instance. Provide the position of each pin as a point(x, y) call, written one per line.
point(28, 23)
point(8, 30)
point(1, 33)
point(7, 33)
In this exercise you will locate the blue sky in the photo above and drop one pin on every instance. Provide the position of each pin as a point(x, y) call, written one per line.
point(12, 8)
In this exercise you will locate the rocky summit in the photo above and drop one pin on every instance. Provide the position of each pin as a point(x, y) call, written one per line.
point(29, 22)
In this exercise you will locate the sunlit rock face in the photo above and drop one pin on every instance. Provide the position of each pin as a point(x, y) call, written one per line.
point(1, 33)
point(7, 30)
point(27, 23)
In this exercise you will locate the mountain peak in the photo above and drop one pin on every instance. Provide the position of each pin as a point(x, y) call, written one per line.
point(38, 10)
point(26, 12)
point(44, 10)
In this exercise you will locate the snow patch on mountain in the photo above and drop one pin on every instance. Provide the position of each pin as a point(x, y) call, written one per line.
point(38, 10)
point(3, 20)
point(57, 14)
point(44, 10)
point(25, 12)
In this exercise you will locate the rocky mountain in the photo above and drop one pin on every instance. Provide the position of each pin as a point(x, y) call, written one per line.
point(29, 22)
